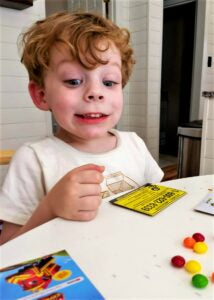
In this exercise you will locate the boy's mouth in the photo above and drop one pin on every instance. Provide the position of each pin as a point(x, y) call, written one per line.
point(91, 116)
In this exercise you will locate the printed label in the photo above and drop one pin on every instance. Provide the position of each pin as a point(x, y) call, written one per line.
point(149, 199)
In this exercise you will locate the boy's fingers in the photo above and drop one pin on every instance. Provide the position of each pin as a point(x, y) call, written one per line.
point(87, 176)
point(85, 215)
point(91, 167)
point(89, 203)
point(90, 189)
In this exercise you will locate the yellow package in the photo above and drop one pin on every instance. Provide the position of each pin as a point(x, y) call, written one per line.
point(149, 199)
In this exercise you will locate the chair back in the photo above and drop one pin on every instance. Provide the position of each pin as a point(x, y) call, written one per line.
point(5, 156)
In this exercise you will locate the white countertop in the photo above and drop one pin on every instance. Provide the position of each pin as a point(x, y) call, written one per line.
point(127, 254)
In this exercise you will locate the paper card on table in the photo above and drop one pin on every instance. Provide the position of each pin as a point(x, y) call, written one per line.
point(52, 277)
point(207, 204)
point(149, 199)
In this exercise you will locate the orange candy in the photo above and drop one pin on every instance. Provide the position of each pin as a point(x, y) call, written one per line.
point(212, 277)
point(189, 242)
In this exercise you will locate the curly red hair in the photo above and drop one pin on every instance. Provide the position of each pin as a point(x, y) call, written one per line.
point(81, 34)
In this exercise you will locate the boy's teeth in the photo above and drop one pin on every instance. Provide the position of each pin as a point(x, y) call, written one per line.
point(93, 115)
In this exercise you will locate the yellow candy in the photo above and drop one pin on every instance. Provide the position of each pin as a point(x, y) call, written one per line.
point(192, 266)
point(200, 247)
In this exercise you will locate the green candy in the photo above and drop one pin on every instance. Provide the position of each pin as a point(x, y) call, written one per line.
point(199, 281)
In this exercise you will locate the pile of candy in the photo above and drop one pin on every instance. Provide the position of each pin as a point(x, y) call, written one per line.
point(197, 244)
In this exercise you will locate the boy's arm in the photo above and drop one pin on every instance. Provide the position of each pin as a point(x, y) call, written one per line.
point(9, 229)
point(75, 197)
point(41, 215)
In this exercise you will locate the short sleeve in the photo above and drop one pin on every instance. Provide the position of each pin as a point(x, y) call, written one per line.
point(22, 188)
point(152, 172)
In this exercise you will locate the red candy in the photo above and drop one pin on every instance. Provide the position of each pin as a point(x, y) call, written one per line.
point(178, 261)
point(198, 237)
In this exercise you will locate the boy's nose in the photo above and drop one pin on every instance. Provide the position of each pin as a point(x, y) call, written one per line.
point(94, 97)
point(93, 93)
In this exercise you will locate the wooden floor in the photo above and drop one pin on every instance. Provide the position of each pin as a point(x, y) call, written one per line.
point(170, 172)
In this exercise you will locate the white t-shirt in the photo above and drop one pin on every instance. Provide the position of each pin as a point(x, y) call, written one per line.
point(36, 167)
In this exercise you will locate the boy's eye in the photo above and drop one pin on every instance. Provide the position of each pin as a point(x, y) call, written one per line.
point(109, 83)
point(73, 82)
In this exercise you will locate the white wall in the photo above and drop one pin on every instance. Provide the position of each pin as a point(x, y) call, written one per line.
point(20, 121)
point(142, 95)
point(144, 19)
point(207, 105)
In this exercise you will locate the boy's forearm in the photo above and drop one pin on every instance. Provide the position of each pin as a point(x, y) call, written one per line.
point(41, 215)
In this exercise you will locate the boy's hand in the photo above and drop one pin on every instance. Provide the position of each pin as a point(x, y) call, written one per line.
point(77, 195)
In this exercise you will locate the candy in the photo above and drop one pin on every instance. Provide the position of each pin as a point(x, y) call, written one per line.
point(198, 237)
point(197, 244)
point(189, 242)
point(178, 261)
point(200, 247)
point(192, 266)
point(199, 281)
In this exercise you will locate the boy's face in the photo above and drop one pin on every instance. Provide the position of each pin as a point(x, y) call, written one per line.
point(85, 103)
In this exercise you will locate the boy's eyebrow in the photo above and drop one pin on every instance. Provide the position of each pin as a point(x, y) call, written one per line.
point(63, 61)
point(114, 63)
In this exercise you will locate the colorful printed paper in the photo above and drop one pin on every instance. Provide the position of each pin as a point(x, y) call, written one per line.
point(52, 277)
point(207, 204)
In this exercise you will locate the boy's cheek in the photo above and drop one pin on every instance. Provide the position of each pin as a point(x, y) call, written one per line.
point(61, 105)
point(118, 105)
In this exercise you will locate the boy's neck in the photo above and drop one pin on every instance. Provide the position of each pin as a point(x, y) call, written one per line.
point(98, 145)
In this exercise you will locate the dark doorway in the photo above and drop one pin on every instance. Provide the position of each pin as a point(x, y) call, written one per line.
point(177, 62)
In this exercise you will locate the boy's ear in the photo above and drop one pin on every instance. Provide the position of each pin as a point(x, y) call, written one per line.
point(37, 94)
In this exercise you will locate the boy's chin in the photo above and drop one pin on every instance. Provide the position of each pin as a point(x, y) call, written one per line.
point(96, 133)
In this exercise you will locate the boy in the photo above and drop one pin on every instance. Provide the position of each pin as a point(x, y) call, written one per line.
point(77, 66)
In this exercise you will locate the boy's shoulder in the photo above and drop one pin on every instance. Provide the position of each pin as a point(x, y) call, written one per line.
point(44, 145)
point(47, 145)
point(37, 143)
point(41, 142)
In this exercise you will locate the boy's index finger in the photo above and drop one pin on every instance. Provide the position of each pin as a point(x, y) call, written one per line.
point(92, 167)
point(89, 173)
point(90, 176)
